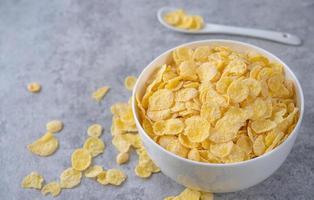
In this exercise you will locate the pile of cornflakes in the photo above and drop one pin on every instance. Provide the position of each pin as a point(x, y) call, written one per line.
point(125, 136)
point(180, 19)
point(217, 105)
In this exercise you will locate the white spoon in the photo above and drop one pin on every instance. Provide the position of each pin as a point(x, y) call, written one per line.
point(281, 37)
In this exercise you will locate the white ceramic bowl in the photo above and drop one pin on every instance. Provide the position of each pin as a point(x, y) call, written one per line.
point(217, 178)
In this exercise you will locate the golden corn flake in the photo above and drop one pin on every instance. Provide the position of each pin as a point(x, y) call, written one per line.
point(53, 188)
point(145, 167)
point(188, 194)
point(34, 87)
point(81, 159)
point(206, 72)
point(122, 158)
point(54, 126)
point(94, 130)
point(121, 144)
point(115, 176)
point(100, 93)
point(93, 171)
point(214, 104)
point(263, 125)
point(177, 148)
point(161, 100)
point(238, 91)
point(236, 155)
point(102, 178)
point(33, 180)
point(94, 146)
point(221, 149)
point(129, 82)
point(70, 178)
point(194, 155)
point(197, 129)
point(44, 146)
point(259, 145)
point(180, 19)
point(143, 171)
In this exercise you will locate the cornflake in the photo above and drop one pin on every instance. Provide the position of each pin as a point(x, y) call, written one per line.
point(190, 194)
point(93, 171)
point(34, 87)
point(53, 188)
point(115, 176)
point(100, 93)
point(54, 126)
point(81, 159)
point(213, 104)
point(129, 82)
point(94, 146)
point(70, 178)
point(44, 146)
point(95, 130)
point(33, 180)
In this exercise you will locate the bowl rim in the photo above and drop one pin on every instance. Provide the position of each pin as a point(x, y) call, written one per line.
point(259, 49)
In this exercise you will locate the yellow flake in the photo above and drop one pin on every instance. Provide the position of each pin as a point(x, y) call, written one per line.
point(129, 82)
point(115, 176)
point(221, 149)
point(122, 158)
point(44, 146)
point(94, 146)
point(100, 93)
point(206, 72)
point(197, 129)
point(33, 180)
point(93, 171)
point(102, 178)
point(54, 126)
point(161, 100)
point(34, 87)
point(81, 159)
point(70, 178)
point(53, 188)
point(262, 125)
point(94, 130)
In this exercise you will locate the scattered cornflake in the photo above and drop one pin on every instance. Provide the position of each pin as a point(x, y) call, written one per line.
point(54, 126)
point(102, 178)
point(70, 178)
point(95, 130)
point(34, 87)
point(53, 188)
point(122, 158)
point(44, 146)
point(94, 146)
point(93, 171)
point(129, 82)
point(190, 194)
point(100, 93)
point(115, 176)
point(33, 180)
point(81, 159)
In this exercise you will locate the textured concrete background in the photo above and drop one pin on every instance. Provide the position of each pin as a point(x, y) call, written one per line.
point(73, 47)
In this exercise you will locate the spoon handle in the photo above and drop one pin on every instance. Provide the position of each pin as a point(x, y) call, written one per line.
point(257, 33)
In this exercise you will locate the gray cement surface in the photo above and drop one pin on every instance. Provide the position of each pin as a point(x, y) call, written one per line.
point(72, 47)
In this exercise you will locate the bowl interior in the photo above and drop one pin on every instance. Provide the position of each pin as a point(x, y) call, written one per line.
point(166, 57)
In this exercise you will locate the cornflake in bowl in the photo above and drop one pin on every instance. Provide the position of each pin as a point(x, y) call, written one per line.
point(214, 103)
